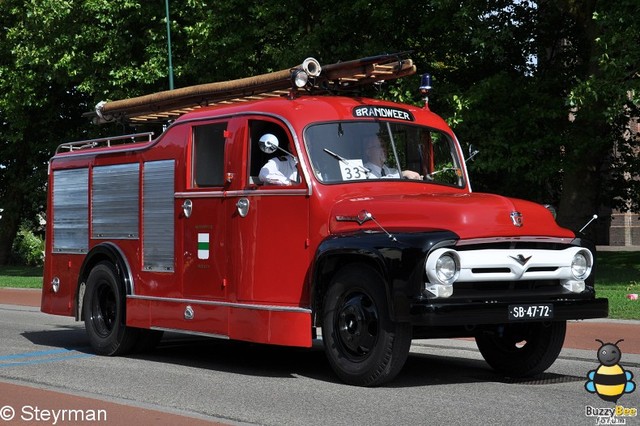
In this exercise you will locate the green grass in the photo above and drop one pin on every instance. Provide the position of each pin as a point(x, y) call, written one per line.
point(618, 274)
point(21, 276)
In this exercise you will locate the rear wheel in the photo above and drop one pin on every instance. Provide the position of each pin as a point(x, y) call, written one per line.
point(520, 350)
point(104, 312)
point(363, 346)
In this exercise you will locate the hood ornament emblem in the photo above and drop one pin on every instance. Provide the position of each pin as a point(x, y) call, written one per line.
point(362, 217)
point(516, 219)
point(521, 259)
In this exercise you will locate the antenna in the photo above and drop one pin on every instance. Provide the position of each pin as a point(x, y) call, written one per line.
point(370, 216)
point(595, 216)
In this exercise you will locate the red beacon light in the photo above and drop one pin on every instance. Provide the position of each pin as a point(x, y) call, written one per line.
point(425, 87)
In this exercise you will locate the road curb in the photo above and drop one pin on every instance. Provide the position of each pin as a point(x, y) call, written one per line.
point(20, 296)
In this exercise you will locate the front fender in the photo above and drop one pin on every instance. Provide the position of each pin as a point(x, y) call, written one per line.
point(398, 259)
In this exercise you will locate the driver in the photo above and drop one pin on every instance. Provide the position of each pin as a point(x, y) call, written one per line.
point(281, 170)
point(375, 153)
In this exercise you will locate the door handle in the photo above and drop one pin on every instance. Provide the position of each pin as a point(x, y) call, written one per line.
point(187, 208)
point(243, 206)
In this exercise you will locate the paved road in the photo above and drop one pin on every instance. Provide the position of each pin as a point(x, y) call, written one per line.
point(45, 362)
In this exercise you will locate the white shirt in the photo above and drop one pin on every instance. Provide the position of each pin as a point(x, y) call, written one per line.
point(279, 171)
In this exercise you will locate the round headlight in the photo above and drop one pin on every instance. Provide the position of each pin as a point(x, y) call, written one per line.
point(300, 78)
point(580, 266)
point(446, 268)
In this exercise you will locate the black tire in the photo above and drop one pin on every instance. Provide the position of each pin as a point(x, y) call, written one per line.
point(104, 312)
point(363, 346)
point(524, 349)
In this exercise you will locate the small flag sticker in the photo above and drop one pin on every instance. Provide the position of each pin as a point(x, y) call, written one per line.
point(203, 246)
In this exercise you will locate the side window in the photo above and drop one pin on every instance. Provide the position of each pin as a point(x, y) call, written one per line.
point(208, 155)
point(281, 164)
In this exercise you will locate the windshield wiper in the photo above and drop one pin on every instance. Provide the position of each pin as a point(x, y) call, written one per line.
point(445, 169)
point(345, 161)
point(337, 156)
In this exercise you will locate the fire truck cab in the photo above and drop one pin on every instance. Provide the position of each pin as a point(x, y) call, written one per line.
point(281, 215)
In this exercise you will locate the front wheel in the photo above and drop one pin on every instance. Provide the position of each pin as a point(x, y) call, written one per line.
point(363, 345)
point(521, 350)
point(104, 312)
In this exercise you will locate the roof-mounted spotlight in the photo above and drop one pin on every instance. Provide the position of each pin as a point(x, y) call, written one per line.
point(305, 74)
point(299, 78)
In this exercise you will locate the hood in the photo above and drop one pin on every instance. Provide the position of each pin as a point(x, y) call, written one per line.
point(469, 215)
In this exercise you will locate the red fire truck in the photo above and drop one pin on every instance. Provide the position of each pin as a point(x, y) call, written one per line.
point(372, 238)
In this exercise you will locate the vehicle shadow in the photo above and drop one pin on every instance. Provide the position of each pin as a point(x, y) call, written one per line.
point(433, 370)
point(70, 337)
point(421, 369)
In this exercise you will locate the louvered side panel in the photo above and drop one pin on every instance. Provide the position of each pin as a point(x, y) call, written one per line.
point(115, 202)
point(158, 216)
point(70, 211)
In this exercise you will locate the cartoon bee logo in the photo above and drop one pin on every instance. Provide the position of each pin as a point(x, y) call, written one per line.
point(610, 381)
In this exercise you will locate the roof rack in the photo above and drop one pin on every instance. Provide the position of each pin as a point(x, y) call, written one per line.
point(105, 142)
point(168, 105)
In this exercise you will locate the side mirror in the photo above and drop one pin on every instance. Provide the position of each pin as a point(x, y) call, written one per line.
point(268, 143)
point(472, 152)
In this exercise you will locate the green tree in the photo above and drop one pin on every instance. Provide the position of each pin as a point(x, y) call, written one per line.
point(56, 58)
point(602, 152)
point(548, 91)
point(545, 89)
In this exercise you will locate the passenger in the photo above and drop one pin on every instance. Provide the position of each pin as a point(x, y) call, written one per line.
point(281, 170)
point(376, 156)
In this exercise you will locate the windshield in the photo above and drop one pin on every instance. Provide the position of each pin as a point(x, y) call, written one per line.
point(352, 151)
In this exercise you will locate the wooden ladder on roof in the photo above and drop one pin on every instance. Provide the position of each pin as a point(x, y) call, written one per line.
point(168, 105)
